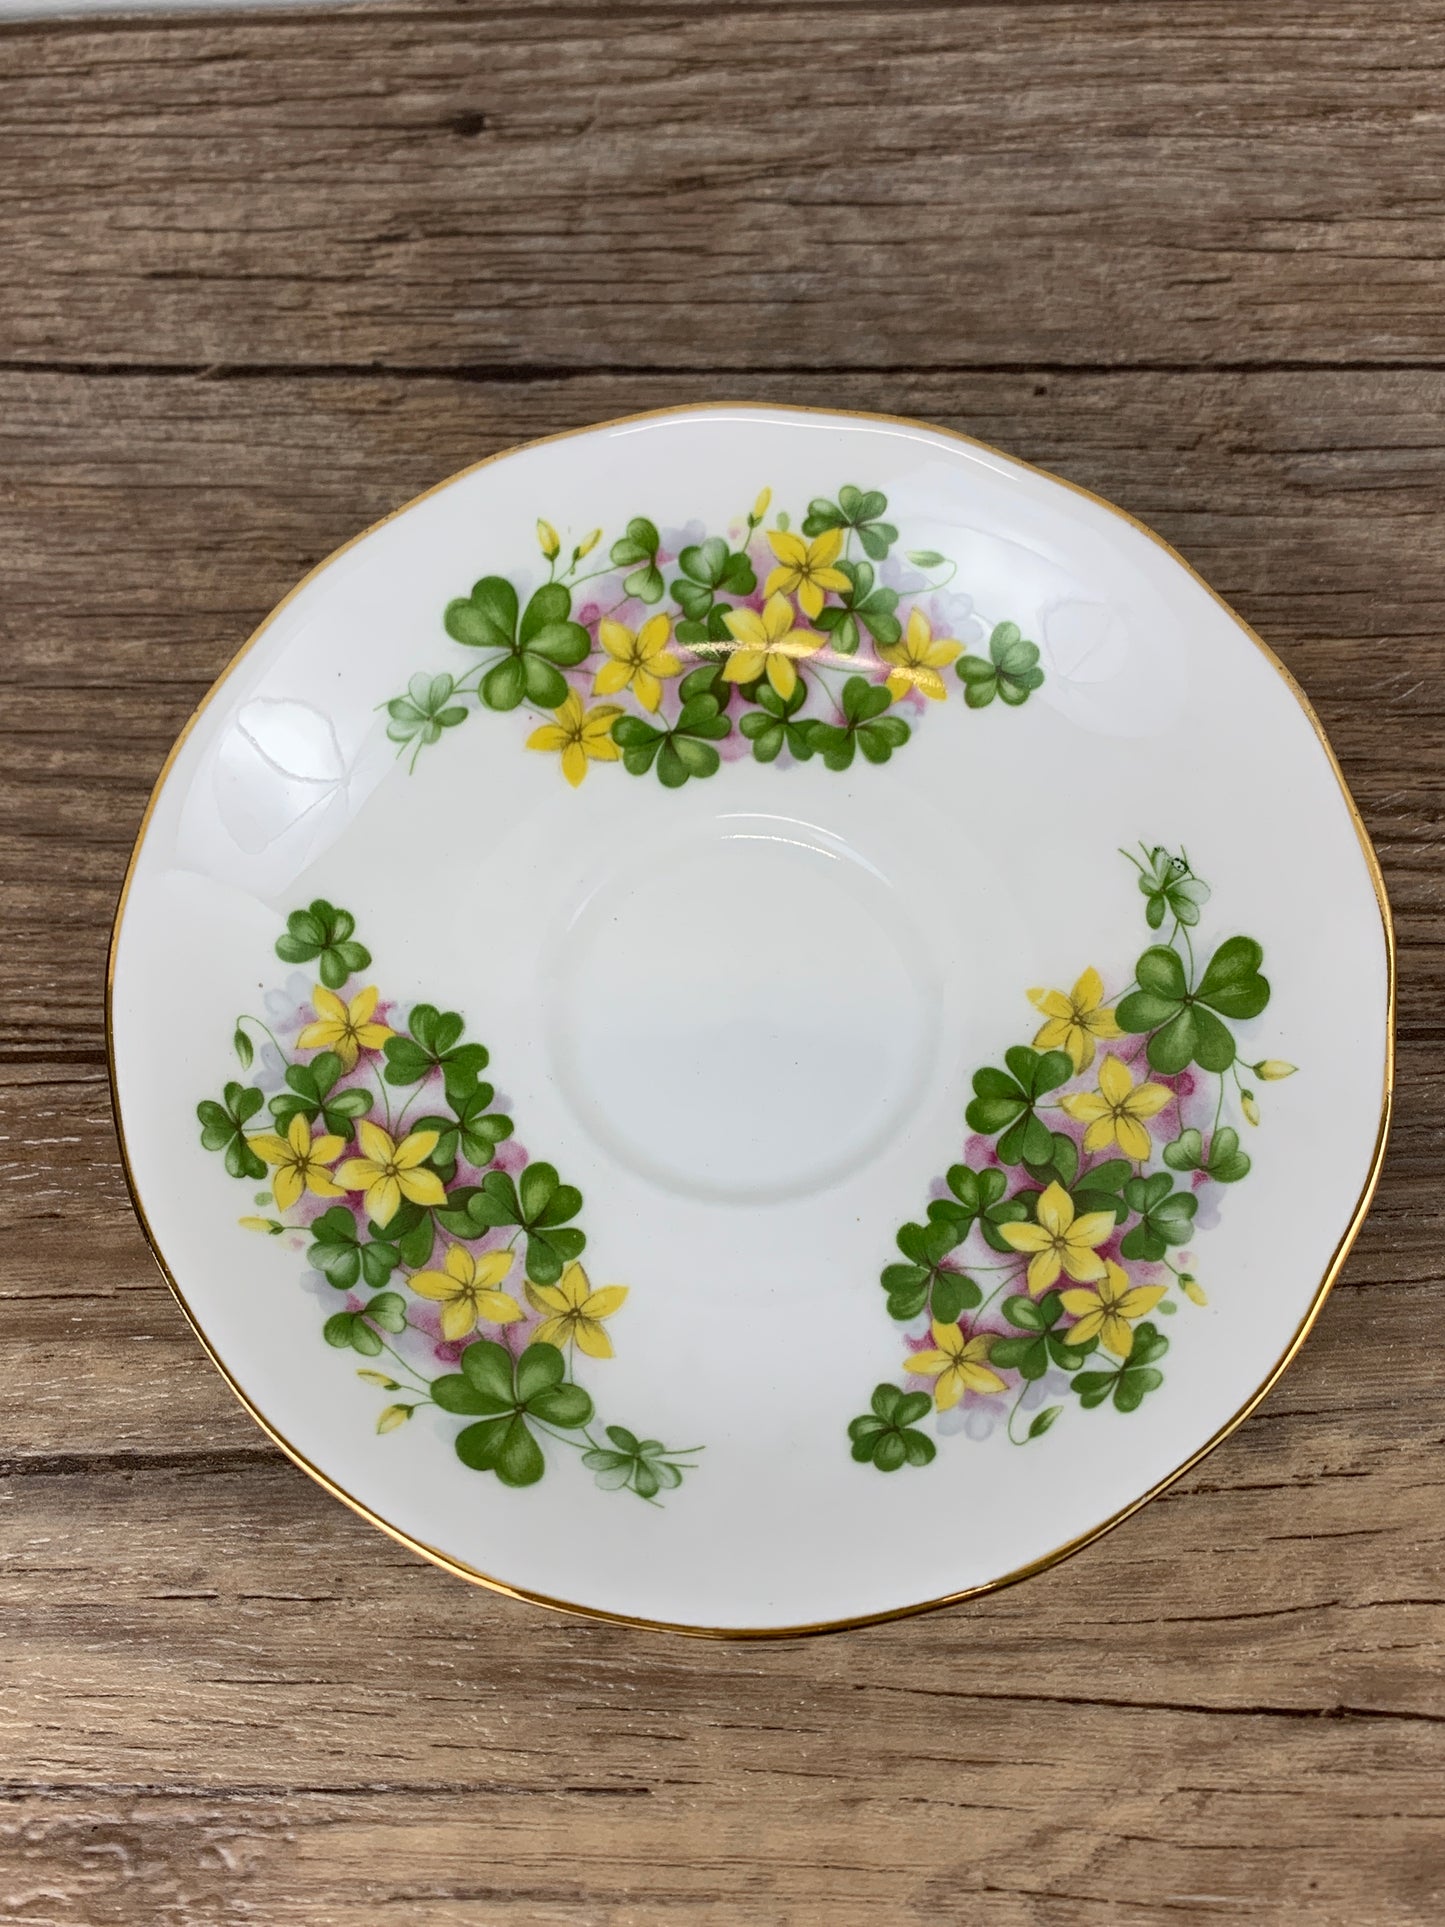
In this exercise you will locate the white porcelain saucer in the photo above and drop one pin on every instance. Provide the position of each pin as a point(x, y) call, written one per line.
point(750, 1020)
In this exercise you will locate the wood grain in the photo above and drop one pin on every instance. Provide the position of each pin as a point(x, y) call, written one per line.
point(265, 279)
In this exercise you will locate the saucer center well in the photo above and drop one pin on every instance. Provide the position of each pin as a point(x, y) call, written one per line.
point(746, 1013)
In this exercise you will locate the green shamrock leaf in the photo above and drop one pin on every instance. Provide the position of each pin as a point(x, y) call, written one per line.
point(502, 1394)
point(323, 932)
point(709, 569)
point(886, 1437)
point(637, 551)
point(1041, 1346)
point(1171, 887)
point(354, 1328)
point(1010, 670)
point(1131, 1381)
point(980, 1199)
point(770, 726)
point(539, 1203)
point(1101, 1188)
point(680, 750)
point(534, 651)
point(420, 716)
point(863, 604)
point(311, 1093)
point(1166, 1216)
point(926, 1280)
point(223, 1128)
point(644, 1466)
point(435, 1043)
point(1183, 1021)
point(411, 1230)
point(1005, 1102)
point(854, 509)
point(343, 1258)
point(1224, 1161)
point(865, 725)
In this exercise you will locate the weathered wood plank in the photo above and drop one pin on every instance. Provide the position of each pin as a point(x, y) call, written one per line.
point(747, 188)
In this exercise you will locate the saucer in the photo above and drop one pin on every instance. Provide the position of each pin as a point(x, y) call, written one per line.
point(751, 1020)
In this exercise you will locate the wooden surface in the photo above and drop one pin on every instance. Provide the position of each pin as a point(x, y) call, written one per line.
point(261, 280)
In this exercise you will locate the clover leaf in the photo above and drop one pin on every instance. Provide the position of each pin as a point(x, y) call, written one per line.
point(1224, 1162)
point(644, 1466)
point(1101, 1188)
point(1032, 1354)
point(474, 1132)
point(435, 1044)
point(885, 1437)
point(864, 726)
point(863, 604)
point(354, 1328)
point(503, 1394)
point(771, 724)
point(535, 652)
point(411, 1230)
point(637, 551)
point(854, 509)
point(1005, 1102)
point(538, 1202)
point(980, 1199)
point(708, 568)
point(1183, 1021)
point(1132, 1381)
point(312, 1094)
point(425, 710)
point(925, 1281)
point(1171, 888)
point(323, 932)
point(681, 750)
point(342, 1258)
point(1010, 670)
point(223, 1128)
point(1166, 1216)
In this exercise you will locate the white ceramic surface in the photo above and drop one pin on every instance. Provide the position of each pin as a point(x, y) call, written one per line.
point(743, 1016)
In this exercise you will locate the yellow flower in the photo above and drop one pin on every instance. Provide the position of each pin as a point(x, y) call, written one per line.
point(344, 1028)
point(1104, 1310)
point(917, 660)
point(806, 568)
point(1060, 1241)
point(768, 641)
point(388, 1172)
point(548, 540)
point(637, 661)
point(576, 1312)
point(581, 739)
point(467, 1290)
point(1115, 1112)
point(300, 1162)
point(1075, 1019)
point(956, 1366)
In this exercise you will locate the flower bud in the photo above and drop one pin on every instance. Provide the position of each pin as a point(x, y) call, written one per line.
point(1192, 1288)
point(760, 507)
point(393, 1416)
point(548, 540)
point(1251, 1109)
point(1271, 1069)
point(586, 545)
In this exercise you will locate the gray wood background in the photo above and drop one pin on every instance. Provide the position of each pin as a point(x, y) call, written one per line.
point(263, 279)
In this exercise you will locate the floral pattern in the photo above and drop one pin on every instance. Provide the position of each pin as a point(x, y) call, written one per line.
point(1096, 1153)
point(425, 1232)
point(686, 650)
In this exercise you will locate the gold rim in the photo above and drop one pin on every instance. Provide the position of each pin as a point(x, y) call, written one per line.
point(458, 1567)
